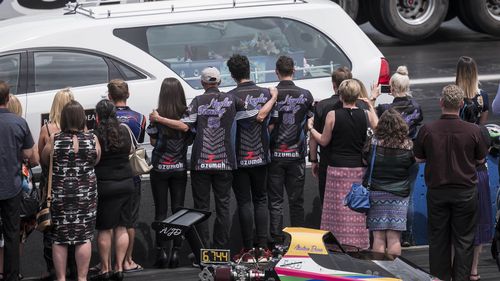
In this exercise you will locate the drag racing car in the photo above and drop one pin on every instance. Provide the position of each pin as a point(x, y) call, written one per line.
point(313, 254)
point(308, 254)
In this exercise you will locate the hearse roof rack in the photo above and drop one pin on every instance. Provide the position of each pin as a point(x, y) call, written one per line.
point(102, 9)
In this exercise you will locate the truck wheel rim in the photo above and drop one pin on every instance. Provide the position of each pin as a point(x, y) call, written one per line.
point(494, 8)
point(416, 12)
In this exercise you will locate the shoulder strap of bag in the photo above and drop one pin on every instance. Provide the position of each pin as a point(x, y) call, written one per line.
point(132, 137)
point(47, 127)
point(51, 169)
point(372, 162)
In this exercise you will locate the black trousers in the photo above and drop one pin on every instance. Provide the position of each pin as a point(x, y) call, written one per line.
point(220, 181)
point(452, 216)
point(161, 185)
point(250, 187)
point(10, 214)
point(290, 176)
point(323, 167)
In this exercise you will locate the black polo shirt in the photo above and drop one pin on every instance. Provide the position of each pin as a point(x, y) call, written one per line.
point(451, 148)
point(320, 111)
point(15, 137)
point(293, 107)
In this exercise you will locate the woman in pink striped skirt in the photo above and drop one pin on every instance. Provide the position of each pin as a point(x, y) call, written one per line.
point(345, 134)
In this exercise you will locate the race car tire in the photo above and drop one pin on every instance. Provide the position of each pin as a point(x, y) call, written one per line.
point(351, 7)
point(415, 21)
point(486, 15)
point(465, 15)
point(222, 273)
point(375, 16)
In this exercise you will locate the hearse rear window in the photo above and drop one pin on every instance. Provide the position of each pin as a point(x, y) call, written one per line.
point(188, 48)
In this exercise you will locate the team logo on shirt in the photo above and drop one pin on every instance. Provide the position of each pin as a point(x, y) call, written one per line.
point(212, 163)
point(289, 106)
point(285, 152)
point(169, 163)
point(251, 159)
point(256, 102)
point(215, 107)
point(215, 110)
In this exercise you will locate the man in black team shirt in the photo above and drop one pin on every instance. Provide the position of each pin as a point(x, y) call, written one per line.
point(213, 115)
point(252, 154)
point(288, 149)
point(321, 110)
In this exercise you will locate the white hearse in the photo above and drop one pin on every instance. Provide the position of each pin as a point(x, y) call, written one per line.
point(89, 43)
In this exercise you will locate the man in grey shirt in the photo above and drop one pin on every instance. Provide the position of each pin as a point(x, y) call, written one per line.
point(16, 144)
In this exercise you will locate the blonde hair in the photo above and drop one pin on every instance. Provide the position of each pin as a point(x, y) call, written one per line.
point(14, 105)
point(363, 93)
point(61, 98)
point(452, 97)
point(349, 91)
point(467, 76)
point(400, 81)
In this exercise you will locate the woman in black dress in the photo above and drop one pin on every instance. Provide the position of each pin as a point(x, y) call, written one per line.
point(115, 185)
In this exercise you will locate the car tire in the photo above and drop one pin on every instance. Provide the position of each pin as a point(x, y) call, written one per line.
point(486, 15)
point(363, 11)
point(465, 15)
point(376, 15)
point(415, 22)
point(351, 7)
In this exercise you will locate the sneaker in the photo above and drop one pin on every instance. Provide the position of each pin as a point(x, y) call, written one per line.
point(265, 255)
point(245, 256)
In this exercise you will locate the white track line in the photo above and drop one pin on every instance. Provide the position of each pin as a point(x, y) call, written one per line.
point(451, 79)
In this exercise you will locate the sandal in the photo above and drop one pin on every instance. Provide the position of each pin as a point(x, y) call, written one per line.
point(475, 277)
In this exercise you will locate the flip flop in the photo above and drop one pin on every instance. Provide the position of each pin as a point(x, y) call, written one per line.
point(137, 268)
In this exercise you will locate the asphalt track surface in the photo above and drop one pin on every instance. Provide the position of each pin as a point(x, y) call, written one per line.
point(435, 57)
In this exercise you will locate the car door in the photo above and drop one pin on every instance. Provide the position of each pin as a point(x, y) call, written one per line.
point(13, 71)
point(86, 73)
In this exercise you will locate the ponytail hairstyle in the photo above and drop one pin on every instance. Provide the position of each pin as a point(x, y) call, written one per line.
point(108, 126)
point(400, 82)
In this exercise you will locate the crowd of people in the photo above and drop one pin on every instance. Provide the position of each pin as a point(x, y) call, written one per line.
point(253, 141)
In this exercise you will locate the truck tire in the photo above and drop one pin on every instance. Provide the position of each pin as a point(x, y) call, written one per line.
point(363, 12)
point(351, 7)
point(452, 10)
point(486, 15)
point(376, 15)
point(465, 15)
point(413, 20)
